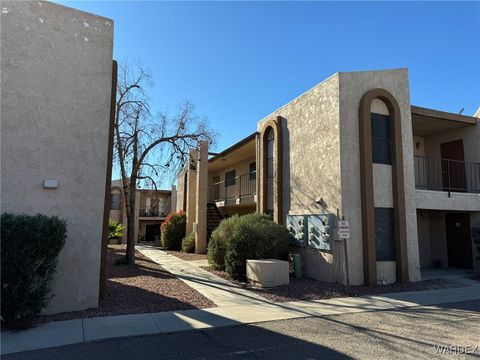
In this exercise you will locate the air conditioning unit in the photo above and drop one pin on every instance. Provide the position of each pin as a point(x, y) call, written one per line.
point(268, 272)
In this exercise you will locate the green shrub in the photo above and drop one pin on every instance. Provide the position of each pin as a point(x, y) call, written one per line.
point(188, 243)
point(115, 229)
point(217, 244)
point(173, 231)
point(252, 236)
point(29, 250)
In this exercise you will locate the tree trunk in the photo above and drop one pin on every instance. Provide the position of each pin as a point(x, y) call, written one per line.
point(131, 225)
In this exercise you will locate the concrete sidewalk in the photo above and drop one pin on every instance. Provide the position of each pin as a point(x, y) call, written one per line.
point(222, 292)
point(83, 330)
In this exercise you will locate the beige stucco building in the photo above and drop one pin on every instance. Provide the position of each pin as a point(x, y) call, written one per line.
point(406, 178)
point(151, 209)
point(56, 93)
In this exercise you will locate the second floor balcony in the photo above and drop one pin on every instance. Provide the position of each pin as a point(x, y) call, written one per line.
point(152, 212)
point(446, 175)
point(235, 191)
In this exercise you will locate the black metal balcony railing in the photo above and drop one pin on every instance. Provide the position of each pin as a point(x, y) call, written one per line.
point(239, 187)
point(446, 175)
point(152, 212)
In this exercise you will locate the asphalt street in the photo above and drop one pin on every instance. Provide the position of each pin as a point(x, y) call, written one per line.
point(442, 331)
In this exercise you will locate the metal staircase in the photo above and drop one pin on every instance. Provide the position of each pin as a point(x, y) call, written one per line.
point(214, 216)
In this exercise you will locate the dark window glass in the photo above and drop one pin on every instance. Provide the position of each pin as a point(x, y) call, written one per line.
point(115, 202)
point(381, 147)
point(253, 171)
point(270, 144)
point(230, 178)
point(384, 234)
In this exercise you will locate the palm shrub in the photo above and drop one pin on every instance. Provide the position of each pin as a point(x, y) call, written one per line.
point(29, 251)
point(188, 243)
point(252, 236)
point(173, 231)
point(115, 229)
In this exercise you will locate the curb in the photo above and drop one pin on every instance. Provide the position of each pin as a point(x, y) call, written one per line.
point(61, 333)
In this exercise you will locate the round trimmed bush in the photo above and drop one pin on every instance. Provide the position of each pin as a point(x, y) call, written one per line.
point(252, 236)
point(173, 231)
point(29, 251)
point(188, 243)
point(217, 245)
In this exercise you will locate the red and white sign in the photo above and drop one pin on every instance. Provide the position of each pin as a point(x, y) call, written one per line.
point(343, 229)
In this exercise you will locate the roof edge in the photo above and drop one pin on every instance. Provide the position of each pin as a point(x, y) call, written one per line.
point(233, 147)
point(443, 115)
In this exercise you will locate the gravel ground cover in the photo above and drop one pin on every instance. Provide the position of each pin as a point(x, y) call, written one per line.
point(141, 288)
point(307, 289)
point(187, 256)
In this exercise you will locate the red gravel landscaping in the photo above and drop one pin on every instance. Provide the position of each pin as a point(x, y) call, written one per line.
point(141, 288)
point(187, 256)
point(307, 289)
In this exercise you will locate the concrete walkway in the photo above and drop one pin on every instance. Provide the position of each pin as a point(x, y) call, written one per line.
point(236, 306)
point(222, 292)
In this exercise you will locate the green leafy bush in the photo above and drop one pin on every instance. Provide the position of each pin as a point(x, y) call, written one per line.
point(115, 229)
point(217, 244)
point(188, 243)
point(252, 236)
point(29, 250)
point(173, 231)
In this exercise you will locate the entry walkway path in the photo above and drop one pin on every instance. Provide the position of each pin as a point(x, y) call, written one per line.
point(222, 292)
point(236, 306)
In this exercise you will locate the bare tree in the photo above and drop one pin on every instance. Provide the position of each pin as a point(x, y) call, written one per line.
point(149, 146)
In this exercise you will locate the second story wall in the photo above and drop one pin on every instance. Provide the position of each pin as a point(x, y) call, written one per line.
point(55, 106)
point(217, 189)
point(353, 86)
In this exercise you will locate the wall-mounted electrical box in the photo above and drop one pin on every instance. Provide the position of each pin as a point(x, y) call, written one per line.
point(50, 184)
point(315, 231)
point(297, 226)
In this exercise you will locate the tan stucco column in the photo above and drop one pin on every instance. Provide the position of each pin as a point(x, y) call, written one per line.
point(201, 199)
point(190, 211)
point(173, 198)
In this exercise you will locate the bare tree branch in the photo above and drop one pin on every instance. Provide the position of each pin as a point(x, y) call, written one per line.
point(149, 148)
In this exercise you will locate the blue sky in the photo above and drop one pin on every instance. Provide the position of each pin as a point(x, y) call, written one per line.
point(239, 61)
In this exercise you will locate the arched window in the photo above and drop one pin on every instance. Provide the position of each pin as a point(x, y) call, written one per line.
point(270, 136)
point(115, 200)
point(381, 144)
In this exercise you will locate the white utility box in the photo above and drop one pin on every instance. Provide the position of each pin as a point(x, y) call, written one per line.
point(268, 272)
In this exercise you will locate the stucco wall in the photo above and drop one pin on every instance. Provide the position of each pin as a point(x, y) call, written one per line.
point(352, 87)
point(440, 200)
point(419, 146)
point(471, 144)
point(179, 203)
point(311, 162)
point(55, 102)
point(191, 199)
